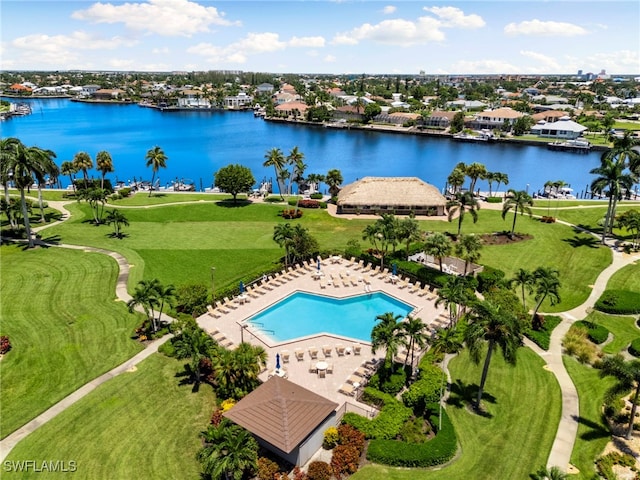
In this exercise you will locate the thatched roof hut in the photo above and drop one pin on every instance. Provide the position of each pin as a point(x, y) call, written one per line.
point(397, 195)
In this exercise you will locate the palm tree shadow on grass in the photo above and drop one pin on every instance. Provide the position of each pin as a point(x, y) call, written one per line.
point(596, 430)
point(188, 378)
point(577, 242)
point(119, 236)
point(46, 242)
point(464, 395)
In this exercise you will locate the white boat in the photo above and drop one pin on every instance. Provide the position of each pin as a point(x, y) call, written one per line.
point(574, 145)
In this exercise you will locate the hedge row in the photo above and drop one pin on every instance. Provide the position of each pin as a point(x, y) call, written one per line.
point(597, 333)
point(621, 302)
point(634, 348)
point(388, 422)
point(542, 338)
point(436, 451)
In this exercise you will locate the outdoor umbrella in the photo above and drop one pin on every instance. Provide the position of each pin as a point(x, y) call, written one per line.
point(241, 287)
point(318, 264)
point(277, 361)
point(395, 269)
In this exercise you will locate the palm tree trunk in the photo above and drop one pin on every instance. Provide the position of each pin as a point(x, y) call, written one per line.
point(523, 300)
point(515, 216)
point(535, 310)
point(460, 220)
point(612, 216)
point(41, 204)
point(152, 179)
point(6, 191)
point(485, 371)
point(634, 407)
point(102, 181)
point(440, 262)
point(605, 227)
point(25, 215)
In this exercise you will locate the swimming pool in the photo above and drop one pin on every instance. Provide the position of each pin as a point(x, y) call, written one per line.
point(304, 314)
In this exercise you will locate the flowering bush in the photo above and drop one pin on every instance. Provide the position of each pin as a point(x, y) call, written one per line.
point(309, 204)
point(330, 438)
point(293, 213)
point(319, 471)
point(345, 460)
point(5, 344)
point(227, 404)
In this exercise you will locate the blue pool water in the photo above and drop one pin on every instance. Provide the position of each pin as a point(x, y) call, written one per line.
point(303, 314)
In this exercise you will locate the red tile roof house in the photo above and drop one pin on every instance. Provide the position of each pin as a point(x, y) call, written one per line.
point(491, 119)
point(295, 109)
point(20, 89)
point(286, 419)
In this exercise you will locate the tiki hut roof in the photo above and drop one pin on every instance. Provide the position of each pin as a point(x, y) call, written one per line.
point(281, 412)
point(390, 191)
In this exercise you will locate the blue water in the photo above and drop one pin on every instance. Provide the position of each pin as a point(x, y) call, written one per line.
point(199, 143)
point(302, 314)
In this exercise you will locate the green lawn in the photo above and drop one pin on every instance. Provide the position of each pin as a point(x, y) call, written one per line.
point(593, 434)
point(142, 198)
point(180, 243)
point(58, 308)
point(524, 402)
point(623, 329)
point(141, 424)
point(627, 278)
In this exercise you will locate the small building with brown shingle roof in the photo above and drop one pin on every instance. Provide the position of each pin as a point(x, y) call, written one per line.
point(397, 195)
point(286, 418)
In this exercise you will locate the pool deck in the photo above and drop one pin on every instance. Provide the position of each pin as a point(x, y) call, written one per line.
point(227, 327)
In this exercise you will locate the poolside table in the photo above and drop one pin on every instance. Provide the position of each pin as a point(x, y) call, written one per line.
point(322, 365)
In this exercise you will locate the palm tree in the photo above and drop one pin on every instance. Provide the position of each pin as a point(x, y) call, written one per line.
point(333, 179)
point(386, 335)
point(156, 159)
point(475, 171)
point(547, 284)
point(446, 340)
point(525, 280)
point(498, 328)
point(145, 296)
point(408, 229)
point(104, 165)
point(117, 218)
point(416, 332)
point(517, 200)
point(490, 177)
point(468, 249)
point(548, 185)
point(284, 176)
point(631, 221)
point(229, 452)
point(69, 168)
point(439, 246)
point(196, 344)
point(24, 163)
point(316, 179)
point(165, 295)
point(283, 236)
point(627, 374)
point(553, 473)
point(296, 160)
point(625, 149)
point(82, 161)
point(456, 179)
point(8, 152)
point(460, 204)
point(612, 176)
point(453, 294)
point(501, 177)
point(48, 171)
point(235, 372)
point(275, 158)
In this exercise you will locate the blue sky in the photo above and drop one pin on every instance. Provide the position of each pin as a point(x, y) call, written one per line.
point(473, 37)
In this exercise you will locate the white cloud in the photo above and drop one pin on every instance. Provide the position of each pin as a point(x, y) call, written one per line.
point(454, 17)
point(389, 9)
point(306, 42)
point(394, 32)
point(623, 61)
point(544, 63)
point(162, 17)
point(160, 51)
point(539, 28)
point(329, 59)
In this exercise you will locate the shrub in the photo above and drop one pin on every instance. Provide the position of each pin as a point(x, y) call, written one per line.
point(5, 344)
point(309, 204)
point(168, 349)
point(622, 302)
point(425, 390)
point(124, 192)
point(389, 383)
point(267, 469)
point(319, 471)
point(115, 196)
point(542, 337)
point(330, 438)
point(348, 435)
point(576, 343)
point(273, 199)
point(316, 196)
point(596, 333)
point(388, 422)
point(634, 348)
point(605, 463)
point(436, 451)
point(345, 460)
point(291, 214)
point(192, 299)
point(494, 199)
point(545, 219)
point(490, 278)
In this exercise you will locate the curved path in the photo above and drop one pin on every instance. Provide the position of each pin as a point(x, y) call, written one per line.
point(7, 444)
